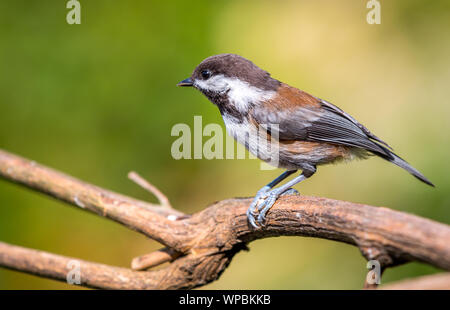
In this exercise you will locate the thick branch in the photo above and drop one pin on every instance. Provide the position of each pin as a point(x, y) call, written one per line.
point(207, 240)
point(392, 237)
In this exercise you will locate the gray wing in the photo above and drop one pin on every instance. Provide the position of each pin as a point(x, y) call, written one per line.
point(325, 124)
point(337, 110)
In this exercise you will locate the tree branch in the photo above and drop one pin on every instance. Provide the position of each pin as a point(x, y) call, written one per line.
point(207, 241)
point(440, 281)
point(152, 220)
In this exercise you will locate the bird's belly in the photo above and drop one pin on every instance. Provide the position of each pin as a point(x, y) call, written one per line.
point(287, 154)
point(296, 153)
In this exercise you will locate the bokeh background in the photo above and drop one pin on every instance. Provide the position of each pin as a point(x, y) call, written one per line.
point(97, 100)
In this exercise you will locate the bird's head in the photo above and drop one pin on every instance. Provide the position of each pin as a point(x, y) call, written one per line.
point(229, 79)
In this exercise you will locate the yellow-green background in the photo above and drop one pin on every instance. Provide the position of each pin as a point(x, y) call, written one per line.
point(97, 100)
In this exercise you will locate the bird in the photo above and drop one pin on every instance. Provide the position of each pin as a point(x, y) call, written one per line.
point(309, 131)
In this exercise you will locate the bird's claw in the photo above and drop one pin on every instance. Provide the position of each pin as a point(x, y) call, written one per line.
point(265, 206)
point(251, 217)
point(251, 211)
point(291, 191)
point(262, 207)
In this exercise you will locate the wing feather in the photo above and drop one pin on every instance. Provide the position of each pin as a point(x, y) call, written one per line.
point(321, 122)
point(335, 109)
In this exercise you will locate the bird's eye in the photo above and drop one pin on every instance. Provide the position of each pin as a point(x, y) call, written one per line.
point(206, 74)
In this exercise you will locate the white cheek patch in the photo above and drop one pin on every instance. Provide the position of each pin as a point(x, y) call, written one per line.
point(217, 83)
point(240, 93)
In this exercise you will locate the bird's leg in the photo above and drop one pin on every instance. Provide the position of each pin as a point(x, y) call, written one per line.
point(262, 193)
point(273, 195)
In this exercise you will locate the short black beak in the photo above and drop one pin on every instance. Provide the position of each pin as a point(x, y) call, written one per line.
point(186, 82)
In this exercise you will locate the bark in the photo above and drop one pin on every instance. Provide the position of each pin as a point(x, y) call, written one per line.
point(200, 246)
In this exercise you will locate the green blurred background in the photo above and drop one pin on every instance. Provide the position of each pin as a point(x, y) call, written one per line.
point(97, 100)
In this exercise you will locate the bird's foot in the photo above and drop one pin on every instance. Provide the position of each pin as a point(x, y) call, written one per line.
point(269, 202)
point(263, 201)
point(251, 211)
point(266, 205)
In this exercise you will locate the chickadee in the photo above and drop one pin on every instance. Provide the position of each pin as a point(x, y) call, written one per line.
point(310, 131)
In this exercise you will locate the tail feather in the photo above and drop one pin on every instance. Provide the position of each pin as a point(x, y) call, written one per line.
point(403, 164)
point(390, 156)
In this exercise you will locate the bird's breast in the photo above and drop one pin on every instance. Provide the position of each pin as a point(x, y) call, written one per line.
point(256, 139)
point(239, 129)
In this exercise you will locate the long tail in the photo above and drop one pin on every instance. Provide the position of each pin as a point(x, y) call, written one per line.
point(403, 164)
point(393, 158)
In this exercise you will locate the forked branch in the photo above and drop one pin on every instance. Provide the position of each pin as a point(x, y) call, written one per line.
point(202, 245)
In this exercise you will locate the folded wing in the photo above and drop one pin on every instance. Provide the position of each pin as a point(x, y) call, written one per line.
point(302, 117)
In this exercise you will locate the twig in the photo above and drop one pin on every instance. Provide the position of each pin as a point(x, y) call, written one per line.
point(136, 178)
point(162, 256)
point(154, 259)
